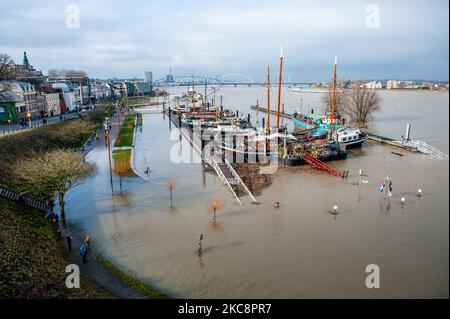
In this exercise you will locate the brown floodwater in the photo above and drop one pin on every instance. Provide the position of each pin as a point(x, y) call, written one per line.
point(299, 250)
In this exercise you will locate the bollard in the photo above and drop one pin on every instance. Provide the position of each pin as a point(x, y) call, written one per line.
point(246, 149)
point(234, 148)
point(223, 145)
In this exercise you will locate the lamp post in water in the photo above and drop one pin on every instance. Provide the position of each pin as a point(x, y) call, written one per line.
point(108, 144)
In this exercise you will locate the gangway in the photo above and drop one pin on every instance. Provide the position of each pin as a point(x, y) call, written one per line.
point(224, 176)
point(320, 165)
point(425, 148)
point(237, 179)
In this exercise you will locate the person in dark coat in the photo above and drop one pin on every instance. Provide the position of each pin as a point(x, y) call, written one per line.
point(83, 253)
point(69, 242)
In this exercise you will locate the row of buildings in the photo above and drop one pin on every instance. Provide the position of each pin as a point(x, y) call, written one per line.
point(418, 85)
point(32, 95)
point(390, 85)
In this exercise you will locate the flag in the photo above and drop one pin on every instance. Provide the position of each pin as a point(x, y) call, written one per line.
point(383, 185)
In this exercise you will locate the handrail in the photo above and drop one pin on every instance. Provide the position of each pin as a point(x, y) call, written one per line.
point(425, 148)
point(222, 177)
point(238, 178)
point(29, 200)
point(321, 165)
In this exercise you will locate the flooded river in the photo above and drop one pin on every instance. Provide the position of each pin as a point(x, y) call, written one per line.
point(298, 250)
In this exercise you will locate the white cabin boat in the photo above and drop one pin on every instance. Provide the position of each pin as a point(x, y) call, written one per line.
point(350, 137)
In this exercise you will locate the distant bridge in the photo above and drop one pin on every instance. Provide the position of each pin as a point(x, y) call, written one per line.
point(199, 80)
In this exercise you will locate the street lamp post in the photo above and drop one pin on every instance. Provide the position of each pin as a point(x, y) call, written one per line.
point(108, 143)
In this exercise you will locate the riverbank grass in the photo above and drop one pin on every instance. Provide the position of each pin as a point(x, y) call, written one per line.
point(130, 280)
point(34, 259)
point(126, 133)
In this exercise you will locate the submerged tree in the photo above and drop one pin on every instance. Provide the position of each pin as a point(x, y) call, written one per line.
point(361, 104)
point(56, 171)
point(122, 166)
point(215, 205)
point(170, 186)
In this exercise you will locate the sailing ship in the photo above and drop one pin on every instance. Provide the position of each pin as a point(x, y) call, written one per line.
point(330, 125)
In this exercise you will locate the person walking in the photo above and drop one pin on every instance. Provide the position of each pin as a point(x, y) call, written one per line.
point(69, 242)
point(199, 248)
point(87, 241)
point(49, 212)
point(83, 253)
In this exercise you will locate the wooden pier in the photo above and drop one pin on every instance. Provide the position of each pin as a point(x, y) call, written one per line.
point(387, 140)
point(273, 112)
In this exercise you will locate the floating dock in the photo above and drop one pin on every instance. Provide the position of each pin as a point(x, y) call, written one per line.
point(387, 140)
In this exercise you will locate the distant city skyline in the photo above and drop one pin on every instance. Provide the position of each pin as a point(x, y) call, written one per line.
point(404, 40)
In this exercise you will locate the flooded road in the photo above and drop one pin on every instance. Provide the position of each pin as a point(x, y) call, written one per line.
point(299, 250)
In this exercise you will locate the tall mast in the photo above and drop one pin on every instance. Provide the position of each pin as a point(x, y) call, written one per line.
point(204, 97)
point(268, 102)
point(279, 88)
point(333, 99)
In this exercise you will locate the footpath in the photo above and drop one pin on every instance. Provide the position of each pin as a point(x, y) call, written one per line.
point(94, 268)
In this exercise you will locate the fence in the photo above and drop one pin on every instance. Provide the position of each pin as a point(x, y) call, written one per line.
point(26, 199)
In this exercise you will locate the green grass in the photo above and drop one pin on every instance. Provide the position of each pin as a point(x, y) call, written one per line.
point(126, 133)
point(140, 286)
point(134, 100)
point(125, 153)
point(67, 135)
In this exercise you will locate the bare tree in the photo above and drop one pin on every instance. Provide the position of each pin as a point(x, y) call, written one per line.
point(361, 104)
point(66, 73)
point(170, 186)
point(339, 102)
point(56, 171)
point(52, 73)
point(75, 74)
point(215, 205)
point(6, 73)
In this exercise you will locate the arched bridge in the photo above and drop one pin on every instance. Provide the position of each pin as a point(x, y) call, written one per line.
point(234, 79)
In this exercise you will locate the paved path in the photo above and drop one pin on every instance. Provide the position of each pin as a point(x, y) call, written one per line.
point(94, 269)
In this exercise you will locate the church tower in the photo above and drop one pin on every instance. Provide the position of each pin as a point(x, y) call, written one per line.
point(25, 60)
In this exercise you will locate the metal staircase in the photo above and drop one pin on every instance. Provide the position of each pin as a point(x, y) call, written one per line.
point(224, 176)
point(318, 164)
point(425, 148)
point(239, 181)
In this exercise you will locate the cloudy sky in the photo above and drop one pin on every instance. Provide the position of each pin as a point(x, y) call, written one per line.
point(126, 38)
